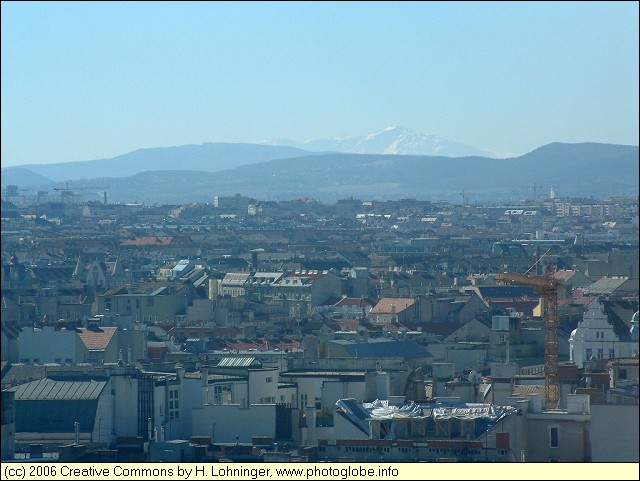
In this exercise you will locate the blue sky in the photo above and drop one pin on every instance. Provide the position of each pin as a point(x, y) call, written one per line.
point(94, 80)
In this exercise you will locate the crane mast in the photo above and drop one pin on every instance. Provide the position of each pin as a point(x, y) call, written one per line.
point(546, 285)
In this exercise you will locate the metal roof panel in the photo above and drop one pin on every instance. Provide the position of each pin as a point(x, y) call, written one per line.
point(48, 389)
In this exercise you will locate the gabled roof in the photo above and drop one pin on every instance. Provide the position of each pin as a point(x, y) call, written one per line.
point(53, 273)
point(14, 374)
point(565, 275)
point(441, 328)
point(605, 285)
point(619, 314)
point(97, 339)
point(388, 305)
point(235, 278)
point(348, 324)
point(114, 291)
point(354, 302)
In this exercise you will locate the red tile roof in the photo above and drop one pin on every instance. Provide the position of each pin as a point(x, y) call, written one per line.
point(97, 339)
point(354, 302)
point(348, 324)
point(400, 304)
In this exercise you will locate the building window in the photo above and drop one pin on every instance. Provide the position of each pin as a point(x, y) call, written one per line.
point(597, 334)
point(554, 436)
point(221, 394)
point(174, 406)
point(600, 353)
point(269, 379)
point(589, 354)
point(612, 354)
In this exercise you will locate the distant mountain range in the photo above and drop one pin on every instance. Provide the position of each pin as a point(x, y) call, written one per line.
point(208, 157)
point(197, 173)
point(392, 140)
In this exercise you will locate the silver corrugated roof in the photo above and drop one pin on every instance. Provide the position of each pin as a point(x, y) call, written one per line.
point(237, 362)
point(47, 389)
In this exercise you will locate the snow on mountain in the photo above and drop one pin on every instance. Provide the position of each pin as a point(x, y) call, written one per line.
point(391, 140)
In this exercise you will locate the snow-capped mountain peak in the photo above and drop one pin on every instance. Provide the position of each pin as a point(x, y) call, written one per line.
point(393, 140)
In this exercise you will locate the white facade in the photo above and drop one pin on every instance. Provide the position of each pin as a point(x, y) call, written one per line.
point(595, 337)
point(167, 394)
point(191, 397)
point(333, 390)
point(246, 387)
point(323, 390)
point(263, 386)
point(103, 423)
point(228, 423)
point(48, 345)
point(611, 438)
point(125, 405)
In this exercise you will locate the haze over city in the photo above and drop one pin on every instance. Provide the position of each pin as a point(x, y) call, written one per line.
point(338, 239)
point(90, 80)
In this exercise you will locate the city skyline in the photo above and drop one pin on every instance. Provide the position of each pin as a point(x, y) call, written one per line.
point(86, 80)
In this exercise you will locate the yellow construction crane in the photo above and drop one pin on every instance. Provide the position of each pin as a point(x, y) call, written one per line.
point(547, 286)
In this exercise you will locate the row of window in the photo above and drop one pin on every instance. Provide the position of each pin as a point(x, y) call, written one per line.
point(589, 353)
point(36, 360)
point(367, 449)
point(364, 449)
point(150, 303)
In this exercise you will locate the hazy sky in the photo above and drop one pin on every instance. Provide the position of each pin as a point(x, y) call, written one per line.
point(94, 80)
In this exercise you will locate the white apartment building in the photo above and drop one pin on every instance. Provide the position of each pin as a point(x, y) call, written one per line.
point(597, 337)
